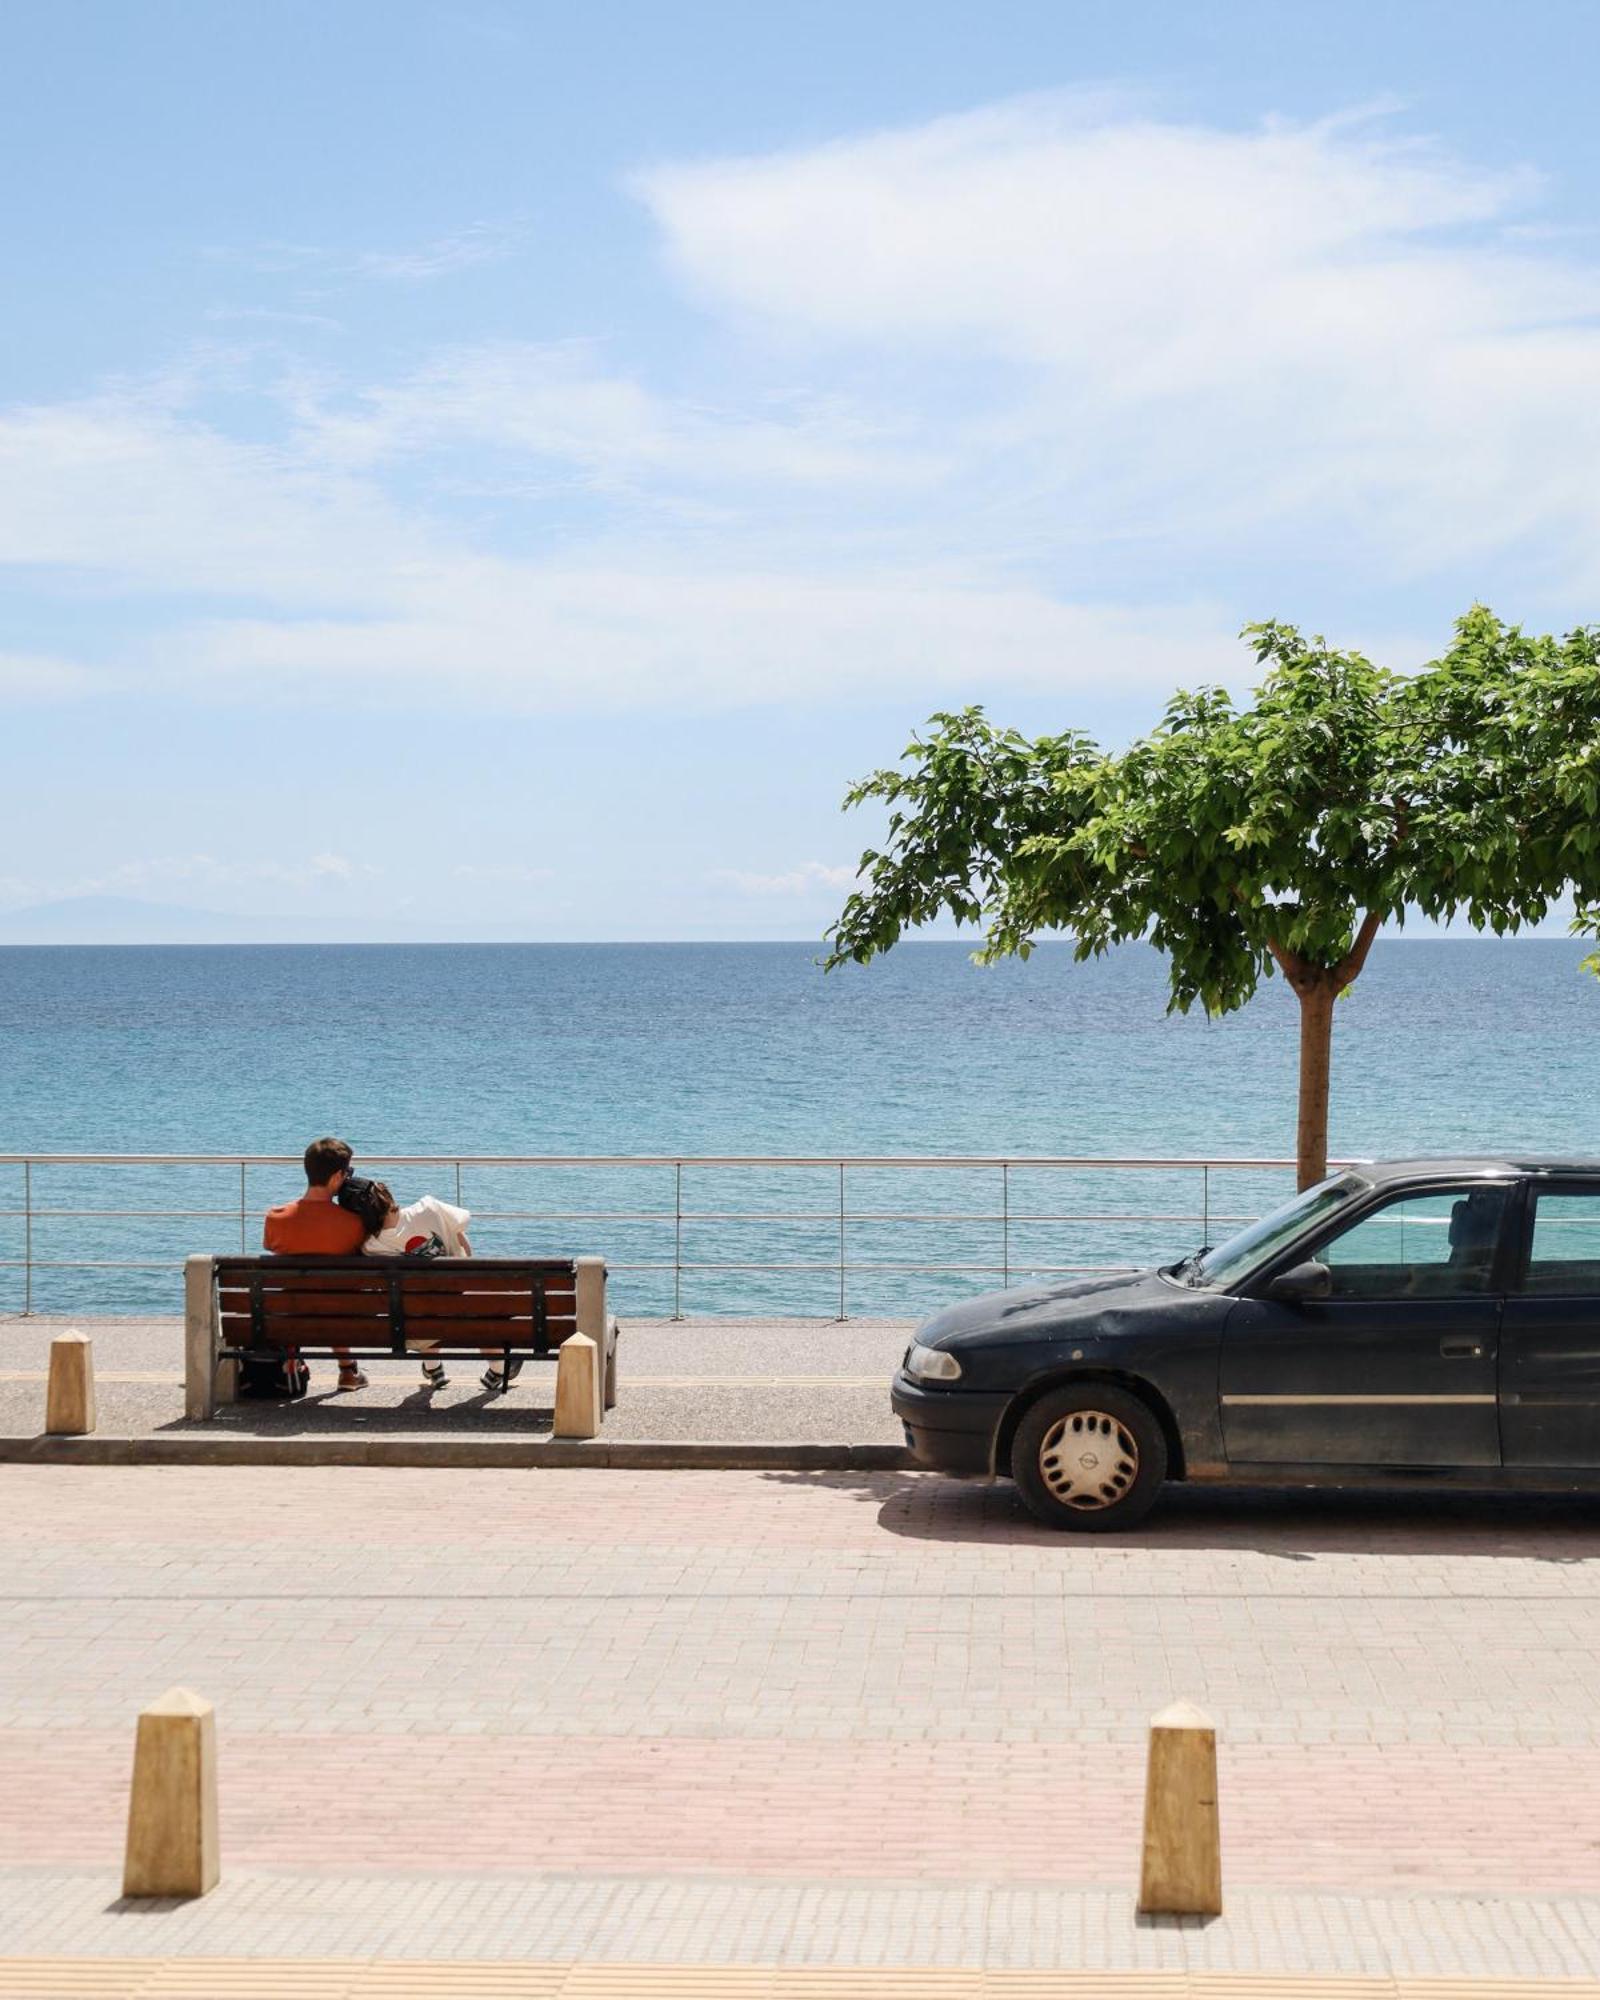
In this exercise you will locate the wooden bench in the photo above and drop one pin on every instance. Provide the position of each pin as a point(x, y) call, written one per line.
point(378, 1307)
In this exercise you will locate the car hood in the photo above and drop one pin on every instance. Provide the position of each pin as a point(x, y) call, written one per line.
point(1035, 1309)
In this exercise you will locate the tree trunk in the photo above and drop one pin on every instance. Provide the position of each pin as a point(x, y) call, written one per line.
point(1316, 1049)
point(1317, 987)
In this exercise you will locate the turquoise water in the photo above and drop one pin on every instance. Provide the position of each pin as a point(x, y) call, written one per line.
point(692, 1049)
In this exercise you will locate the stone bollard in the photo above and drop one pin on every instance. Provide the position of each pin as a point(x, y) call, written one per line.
point(1180, 1871)
point(172, 1807)
point(69, 1398)
point(578, 1390)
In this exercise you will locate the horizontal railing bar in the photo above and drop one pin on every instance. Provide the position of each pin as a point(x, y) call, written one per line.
point(874, 1160)
point(1024, 1270)
point(829, 1215)
point(669, 1215)
point(144, 1214)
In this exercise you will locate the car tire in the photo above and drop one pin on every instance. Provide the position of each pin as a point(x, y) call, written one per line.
point(1089, 1457)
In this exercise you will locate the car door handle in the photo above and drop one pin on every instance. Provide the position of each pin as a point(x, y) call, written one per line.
point(1461, 1350)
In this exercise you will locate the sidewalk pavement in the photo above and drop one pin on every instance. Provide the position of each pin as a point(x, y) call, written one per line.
point(822, 1381)
point(809, 1722)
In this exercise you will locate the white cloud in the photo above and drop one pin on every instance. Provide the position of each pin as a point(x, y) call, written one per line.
point(478, 243)
point(501, 872)
point(808, 879)
point(156, 872)
point(555, 402)
point(1196, 331)
point(1010, 392)
point(364, 592)
point(272, 316)
point(482, 242)
point(35, 677)
point(530, 638)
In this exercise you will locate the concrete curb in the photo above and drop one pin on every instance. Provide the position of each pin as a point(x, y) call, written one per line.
point(639, 1455)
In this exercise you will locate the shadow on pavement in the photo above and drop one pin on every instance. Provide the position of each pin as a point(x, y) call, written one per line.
point(328, 1414)
point(1292, 1524)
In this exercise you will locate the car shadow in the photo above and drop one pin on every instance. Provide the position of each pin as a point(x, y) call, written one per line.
point(1288, 1524)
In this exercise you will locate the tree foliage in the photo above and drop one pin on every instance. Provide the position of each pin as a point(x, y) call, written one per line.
point(1273, 835)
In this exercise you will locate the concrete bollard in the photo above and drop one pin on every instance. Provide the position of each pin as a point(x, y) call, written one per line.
point(69, 1398)
point(172, 1807)
point(1180, 1872)
point(578, 1388)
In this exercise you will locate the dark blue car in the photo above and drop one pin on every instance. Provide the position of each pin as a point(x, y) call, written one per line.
point(1429, 1321)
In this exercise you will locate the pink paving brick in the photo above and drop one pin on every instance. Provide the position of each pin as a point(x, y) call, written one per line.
point(886, 1678)
point(1320, 1819)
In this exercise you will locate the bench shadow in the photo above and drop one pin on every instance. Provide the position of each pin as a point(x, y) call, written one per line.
point(327, 1413)
point(1288, 1524)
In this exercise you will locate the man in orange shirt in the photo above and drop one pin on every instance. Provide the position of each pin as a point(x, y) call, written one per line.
point(316, 1226)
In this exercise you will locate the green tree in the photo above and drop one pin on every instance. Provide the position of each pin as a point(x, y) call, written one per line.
point(1272, 836)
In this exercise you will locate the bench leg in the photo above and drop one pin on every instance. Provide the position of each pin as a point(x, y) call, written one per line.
point(199, 1341)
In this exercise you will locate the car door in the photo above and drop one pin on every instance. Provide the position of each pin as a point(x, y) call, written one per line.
point(1550, 1338)
point(1396, 1367)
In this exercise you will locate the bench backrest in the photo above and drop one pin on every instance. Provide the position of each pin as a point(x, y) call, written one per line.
point(375, 1303)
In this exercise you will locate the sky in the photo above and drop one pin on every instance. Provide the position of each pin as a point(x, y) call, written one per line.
point(488, 469)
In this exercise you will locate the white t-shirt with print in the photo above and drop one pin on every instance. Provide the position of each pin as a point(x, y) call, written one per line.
point(418, 1224)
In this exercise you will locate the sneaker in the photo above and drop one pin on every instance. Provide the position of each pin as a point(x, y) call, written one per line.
point(433, 1374)
point(491, 1378)
point(351, 1378)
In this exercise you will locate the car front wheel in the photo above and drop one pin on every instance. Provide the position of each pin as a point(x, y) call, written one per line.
point(1090, 1457)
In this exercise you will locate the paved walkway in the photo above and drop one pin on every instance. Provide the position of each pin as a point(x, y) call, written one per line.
point(802, 1721)
point(803, 1380)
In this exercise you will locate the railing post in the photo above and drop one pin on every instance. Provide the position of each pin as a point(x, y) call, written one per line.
point(244, 1237)
point(1205, 1203)
point(27, 1238)
point(677, 1240)
point(1005, 1225)
point(842, 1313)
point(458, 1183)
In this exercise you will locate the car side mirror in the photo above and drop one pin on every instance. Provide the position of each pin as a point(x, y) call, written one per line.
point(1300, 1282)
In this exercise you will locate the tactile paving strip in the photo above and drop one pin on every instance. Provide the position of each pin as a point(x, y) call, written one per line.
point(347, 1979)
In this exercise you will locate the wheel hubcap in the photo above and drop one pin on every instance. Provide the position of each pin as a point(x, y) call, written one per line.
point(1089, 1460)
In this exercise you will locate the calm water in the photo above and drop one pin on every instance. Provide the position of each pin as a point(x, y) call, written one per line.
point(740, 1049)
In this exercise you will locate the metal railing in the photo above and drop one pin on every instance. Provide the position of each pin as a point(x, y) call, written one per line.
point(1003, 1226)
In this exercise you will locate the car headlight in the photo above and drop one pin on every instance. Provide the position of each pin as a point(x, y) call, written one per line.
point(932, 1364)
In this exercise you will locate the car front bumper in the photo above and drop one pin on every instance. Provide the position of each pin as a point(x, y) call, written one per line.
point(949, 1430)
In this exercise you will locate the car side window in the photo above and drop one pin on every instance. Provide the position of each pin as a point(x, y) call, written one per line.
point(1564, 1255)
point(1424, 1246)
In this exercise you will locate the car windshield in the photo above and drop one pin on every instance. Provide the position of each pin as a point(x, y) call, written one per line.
point(1252, 1247)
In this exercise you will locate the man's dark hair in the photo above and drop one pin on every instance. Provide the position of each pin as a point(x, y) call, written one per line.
point(324, 1159)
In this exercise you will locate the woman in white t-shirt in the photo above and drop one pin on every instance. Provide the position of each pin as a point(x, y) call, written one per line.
point(426, 1228)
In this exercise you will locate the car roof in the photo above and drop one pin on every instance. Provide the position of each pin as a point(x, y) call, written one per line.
point(1456, 1166)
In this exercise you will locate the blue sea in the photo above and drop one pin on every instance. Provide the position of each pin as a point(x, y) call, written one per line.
point(695, 1049)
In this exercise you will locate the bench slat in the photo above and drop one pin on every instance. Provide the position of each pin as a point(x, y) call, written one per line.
point(319, 1329)
point(317, 1335)
point(483, 1305)
point(276, 1304)
point(236, 1271)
